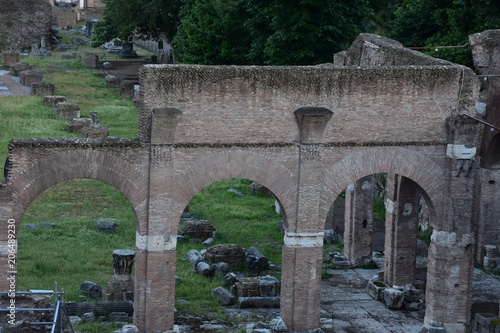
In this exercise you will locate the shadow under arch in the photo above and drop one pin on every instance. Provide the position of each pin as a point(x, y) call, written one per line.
point(236, 164)
point(426, 173)
point(107, 167)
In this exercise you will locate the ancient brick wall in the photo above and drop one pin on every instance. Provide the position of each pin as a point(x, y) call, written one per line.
point(24, 22)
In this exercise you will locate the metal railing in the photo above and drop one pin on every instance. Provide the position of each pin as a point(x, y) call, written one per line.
point(60, 315)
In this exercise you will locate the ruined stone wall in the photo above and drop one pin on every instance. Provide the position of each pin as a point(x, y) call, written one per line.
point(24, 22)
point(224, 104)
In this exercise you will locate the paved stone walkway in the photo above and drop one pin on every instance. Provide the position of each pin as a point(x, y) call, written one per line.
point(10, 86)
point(344, 297)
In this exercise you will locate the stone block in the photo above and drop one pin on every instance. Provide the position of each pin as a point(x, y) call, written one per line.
point(53, 100)
point(221, 269)
point(229, 279)
point(76, 125)
point(393, 298)
point(113, 81)
point(90, 60)
point(95, 132)
point(491, 263)
point(28, 77)
point(106, 226)
point(42, 89)
point(201, 229)
point(376, 289)
point(224, 296)
point(345, 264)
point(127, 88)
point(484, 319)
point(67, 110)
point(18, 67)
point(233, 254)
point(258, 302)
point(269, 286)
point(248, 287)
point(9, 58)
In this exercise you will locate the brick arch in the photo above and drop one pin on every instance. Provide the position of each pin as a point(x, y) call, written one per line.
point(236, 164)
point(107, 167)
point(410, 164)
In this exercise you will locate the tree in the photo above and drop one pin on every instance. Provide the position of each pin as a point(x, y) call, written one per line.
point(445, 23)
point(212, 32)
point(303, 32)
point(145, 19)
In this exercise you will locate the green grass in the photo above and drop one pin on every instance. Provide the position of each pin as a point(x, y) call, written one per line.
point(73, 251)
point(246, 221)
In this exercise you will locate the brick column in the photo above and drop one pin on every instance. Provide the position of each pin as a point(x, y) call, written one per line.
point(449, 270)
point(303, 249)
point(359, 221)
point(401, 227)
point(449, 282)
point(301, 280)
point(155, 283)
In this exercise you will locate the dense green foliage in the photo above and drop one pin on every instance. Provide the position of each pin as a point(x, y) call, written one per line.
point(303, 32)
point(296, 32)
point(444, 23)
point(212, 33)
point(144, 18)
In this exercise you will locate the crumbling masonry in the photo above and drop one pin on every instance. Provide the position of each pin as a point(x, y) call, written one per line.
point(306, 133)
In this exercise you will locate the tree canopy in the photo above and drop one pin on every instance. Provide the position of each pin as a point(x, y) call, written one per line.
point(294, 32)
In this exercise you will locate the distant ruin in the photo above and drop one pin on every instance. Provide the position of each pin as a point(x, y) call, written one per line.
point(24, 22)
point(305, 133)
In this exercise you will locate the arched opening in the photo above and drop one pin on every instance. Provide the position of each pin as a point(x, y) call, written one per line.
point(377, 235)
point(240, 215)
point(59, 240)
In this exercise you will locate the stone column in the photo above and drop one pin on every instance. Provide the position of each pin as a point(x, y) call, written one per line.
point(449, 282)
point(359, 221)
point(449, 270)
point(301, 282)
point(401, 227)
point(303, 249)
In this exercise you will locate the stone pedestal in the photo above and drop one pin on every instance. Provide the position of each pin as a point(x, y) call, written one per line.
point(76, 125)
point(67, 110)
point(121, 287)
point(42, 89)
point(127, 88)
point(95, 132)
point(29, 77)
point(90, 60)
point(18, 67)
point(9, 58)
point(113, 81)
point(53, 100)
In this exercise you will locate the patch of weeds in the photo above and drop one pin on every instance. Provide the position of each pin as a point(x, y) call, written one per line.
point(97, 327)
point(325, 274)
point(425, 235)
point(371, 265)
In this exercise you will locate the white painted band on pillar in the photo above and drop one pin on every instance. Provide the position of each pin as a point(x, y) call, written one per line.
point(155, 243)
point(445, 238)
point(304, 239)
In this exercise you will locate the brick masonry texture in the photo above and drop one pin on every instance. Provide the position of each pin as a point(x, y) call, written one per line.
point(202, 124)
